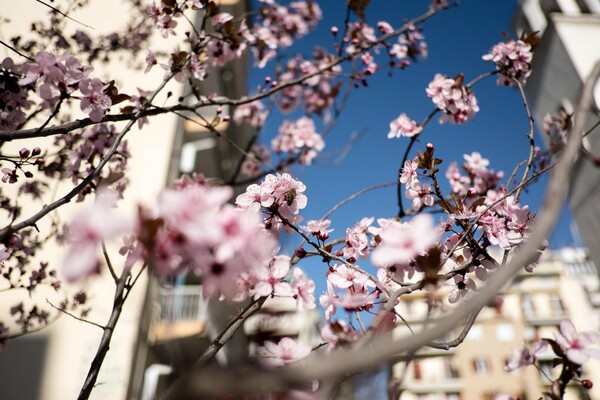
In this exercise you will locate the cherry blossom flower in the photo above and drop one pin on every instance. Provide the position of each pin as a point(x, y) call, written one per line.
point(577, 345)
point(403, 126)
point(318, 228)
point(86, 232)
point(94, 102)
point(420, 195)
point(409, 172)
point(464, 288)
point(402, 242)
point(304, 290)
point(513, 61)
point(252, 112)
point(250, 165)
point(299, 137)
point(344, 277)
point(286, 351)
point(456, 101)
point(524, 356)
point(270, 278)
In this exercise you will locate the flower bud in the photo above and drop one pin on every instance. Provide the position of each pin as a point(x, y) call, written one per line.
point(351, 260)
point(334, 30)
point(36, 151)
point(300, 252)
point(587, 384)
point(24, 152)
point(28, 174)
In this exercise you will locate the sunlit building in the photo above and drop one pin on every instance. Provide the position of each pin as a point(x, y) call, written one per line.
point(563, 285)
point(566, 55)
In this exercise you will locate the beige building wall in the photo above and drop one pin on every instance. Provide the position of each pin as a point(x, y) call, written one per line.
point(563, 285)
point(72, 344)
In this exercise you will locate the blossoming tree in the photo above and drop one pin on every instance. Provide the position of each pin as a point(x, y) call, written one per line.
point(197, 226)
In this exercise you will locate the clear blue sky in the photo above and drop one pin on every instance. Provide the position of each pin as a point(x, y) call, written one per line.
point(457, 39)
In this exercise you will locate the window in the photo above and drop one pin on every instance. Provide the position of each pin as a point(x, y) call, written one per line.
point(505, 333)
point(417, 370)
point(475, 334)
point(527, 305)
point(556, 304)
point(450, 370)
point(481, 365)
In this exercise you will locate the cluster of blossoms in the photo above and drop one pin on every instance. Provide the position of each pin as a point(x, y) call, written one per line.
point(86, 150)
point(299, 138)
point(419, 193)
point(410, 46)
point(278, 26)
point(573, 349)
point(404, 126)
point(253, 113)
point(456, 101)
point(257, 156)
point(52, 78)
point(503, 222)
point(348, 289)
point(278, 195)
point(317, 93)
point(271, 280)
point(401, 242)
point(513, 61)
point(479, 177)
point(195, 228)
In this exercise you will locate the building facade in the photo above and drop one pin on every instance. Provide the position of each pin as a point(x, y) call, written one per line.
point(563, 285)
point(566, 55)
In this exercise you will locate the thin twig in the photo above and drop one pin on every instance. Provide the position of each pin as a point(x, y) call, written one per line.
point(108, 262)
point(63, 14)
point(87, 321)
point(15, 50)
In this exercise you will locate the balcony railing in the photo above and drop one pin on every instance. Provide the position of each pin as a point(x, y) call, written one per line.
point(182, 303)
point(179, 312)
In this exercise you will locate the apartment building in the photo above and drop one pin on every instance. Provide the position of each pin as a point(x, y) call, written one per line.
point(566, 55)
point(563, 285)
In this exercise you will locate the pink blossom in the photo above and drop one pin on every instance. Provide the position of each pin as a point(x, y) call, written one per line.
point(456, 101)
point(403, 126)
point(94, 102)
point(251, 165)
point(87, 231)
point(270, 278)
point(304, 289)
point(299, 137)
point(252, 112)
point(475, 162)
point(318, 228)
point(409, 172)
point(577, 345)
point(513, 61)
point(286, 351)
point(402, 242)
point(464, 288)
point(420, 195)
point(524, 356)
point(345, 277)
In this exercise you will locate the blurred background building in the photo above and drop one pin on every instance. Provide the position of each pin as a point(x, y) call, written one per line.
point(568, 51)
point(563, 285)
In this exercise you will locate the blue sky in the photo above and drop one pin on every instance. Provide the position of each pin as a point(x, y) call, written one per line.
point(457, 39)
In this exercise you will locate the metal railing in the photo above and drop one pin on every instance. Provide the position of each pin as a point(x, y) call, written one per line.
point(182, 303)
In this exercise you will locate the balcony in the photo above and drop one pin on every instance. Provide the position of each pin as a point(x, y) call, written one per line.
point(179, 312)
